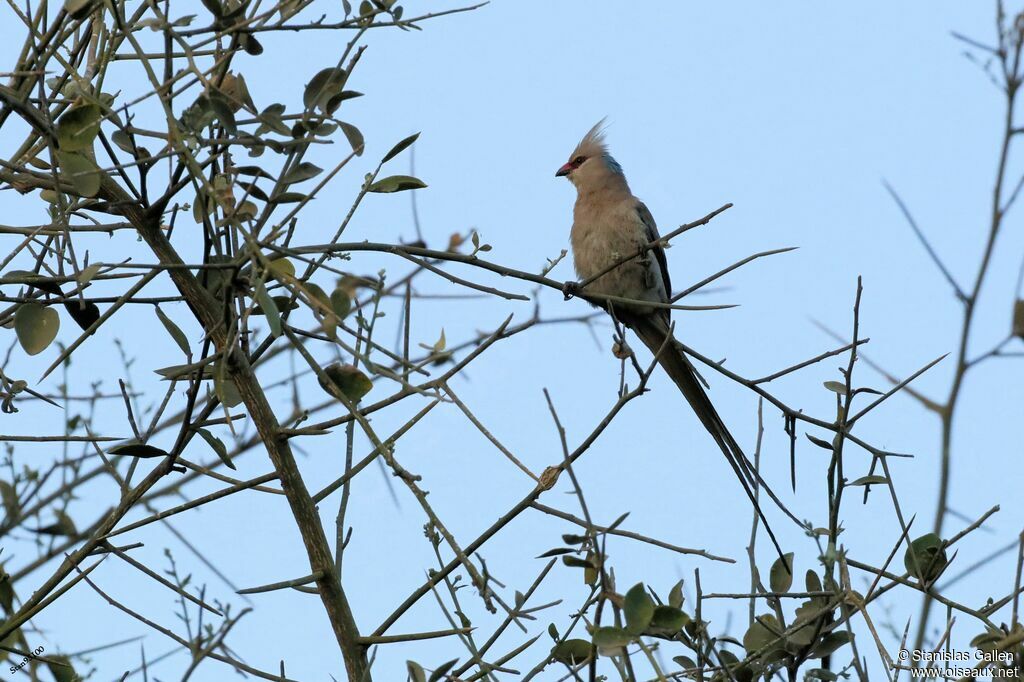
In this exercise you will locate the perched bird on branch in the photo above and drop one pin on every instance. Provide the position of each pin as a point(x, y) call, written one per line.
point(610, 224)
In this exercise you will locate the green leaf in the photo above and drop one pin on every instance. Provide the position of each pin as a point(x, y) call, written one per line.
point(175, 332)
point(812, 582)
point(345, 380)
point(88, 272)
point(415, 671)
point(439, 671)
point(137, 450)
point(225, 388)
point(762, 633)
point(572, 651)
point(281, 269)
point(36, 326)
point(61, 669)
point(396, 183)
point(668, 618)
point(218, 447)
point(301, 172)
point(400, 147)
point(781, 576)
point(836, 387)
point(611, 641)
point(79, 9)
point(269, 308)
point(81, 171)
point(288, 198)
point(611, 638)
point(78, 127)
point(930, 557)
point(869, 480)
point(323, 87)
point(821, 674)
point(675, 595)
point(10, 500)
point(355, 138)
point(831, 642)
point(684, 662)
point(639, 609)
point(341, 302)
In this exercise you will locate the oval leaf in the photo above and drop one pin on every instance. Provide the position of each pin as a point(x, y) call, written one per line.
point(396, 183)
point(136, 450)
point(781, 576)
point(36, 326)
point(639, 608)
point(175, 332)
point(345, 380)
point(400, 147)
point(301, 172)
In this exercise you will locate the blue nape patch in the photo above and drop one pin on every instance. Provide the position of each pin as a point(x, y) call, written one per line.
point(612, 164)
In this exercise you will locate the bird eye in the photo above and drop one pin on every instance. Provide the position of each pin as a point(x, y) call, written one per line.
point(578, 160)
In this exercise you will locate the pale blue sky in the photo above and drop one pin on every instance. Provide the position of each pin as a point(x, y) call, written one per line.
point(794, 112)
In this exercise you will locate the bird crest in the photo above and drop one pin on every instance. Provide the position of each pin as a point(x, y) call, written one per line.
point(593, 143)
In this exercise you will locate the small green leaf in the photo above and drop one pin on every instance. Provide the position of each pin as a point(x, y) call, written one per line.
point(78, 127)
point(87, 273)
point(836, 387)
point(322, 87)
point(812, 582)
point(81, 171)
point(400, 147)
point(355, 138)
point(930, 557)
point(281, 269)
point(224, 387)
point(136, 450)
point(611, 638)
point(764, 631)
point(684, 662)
point(668, 618)
point(572, 651)
point(415, 671)
point(175, 332)
point(869, 480)
point(639, 609)
point(781, 576)
point(820, 674)
point(301, 172)
point(218, 447)
point(341, 302)
point(441, 670)
point(831, 642)
point(675, 595)
point(36, 326)
point(12, 508)
point(61, 668)
point(345, 380)
point(396, 183)
point(269, 308)
point(78, 9)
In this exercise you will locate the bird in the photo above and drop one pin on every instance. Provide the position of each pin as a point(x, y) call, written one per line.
point(609, 223)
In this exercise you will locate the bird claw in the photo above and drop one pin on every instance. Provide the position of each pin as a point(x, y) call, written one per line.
point(570, 289)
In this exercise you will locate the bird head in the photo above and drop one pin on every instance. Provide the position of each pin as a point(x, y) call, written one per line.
point(590, 163)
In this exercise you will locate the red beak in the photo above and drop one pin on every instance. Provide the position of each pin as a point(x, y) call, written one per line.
point(564, 170)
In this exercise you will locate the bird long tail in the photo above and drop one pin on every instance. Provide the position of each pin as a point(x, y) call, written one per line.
point(654, 332)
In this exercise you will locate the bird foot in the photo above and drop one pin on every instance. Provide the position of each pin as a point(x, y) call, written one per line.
point(570, 289)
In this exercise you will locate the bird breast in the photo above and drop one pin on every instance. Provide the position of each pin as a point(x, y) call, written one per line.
point(602, 237)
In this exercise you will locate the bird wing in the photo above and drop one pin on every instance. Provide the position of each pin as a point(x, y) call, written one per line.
point(651, 231)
